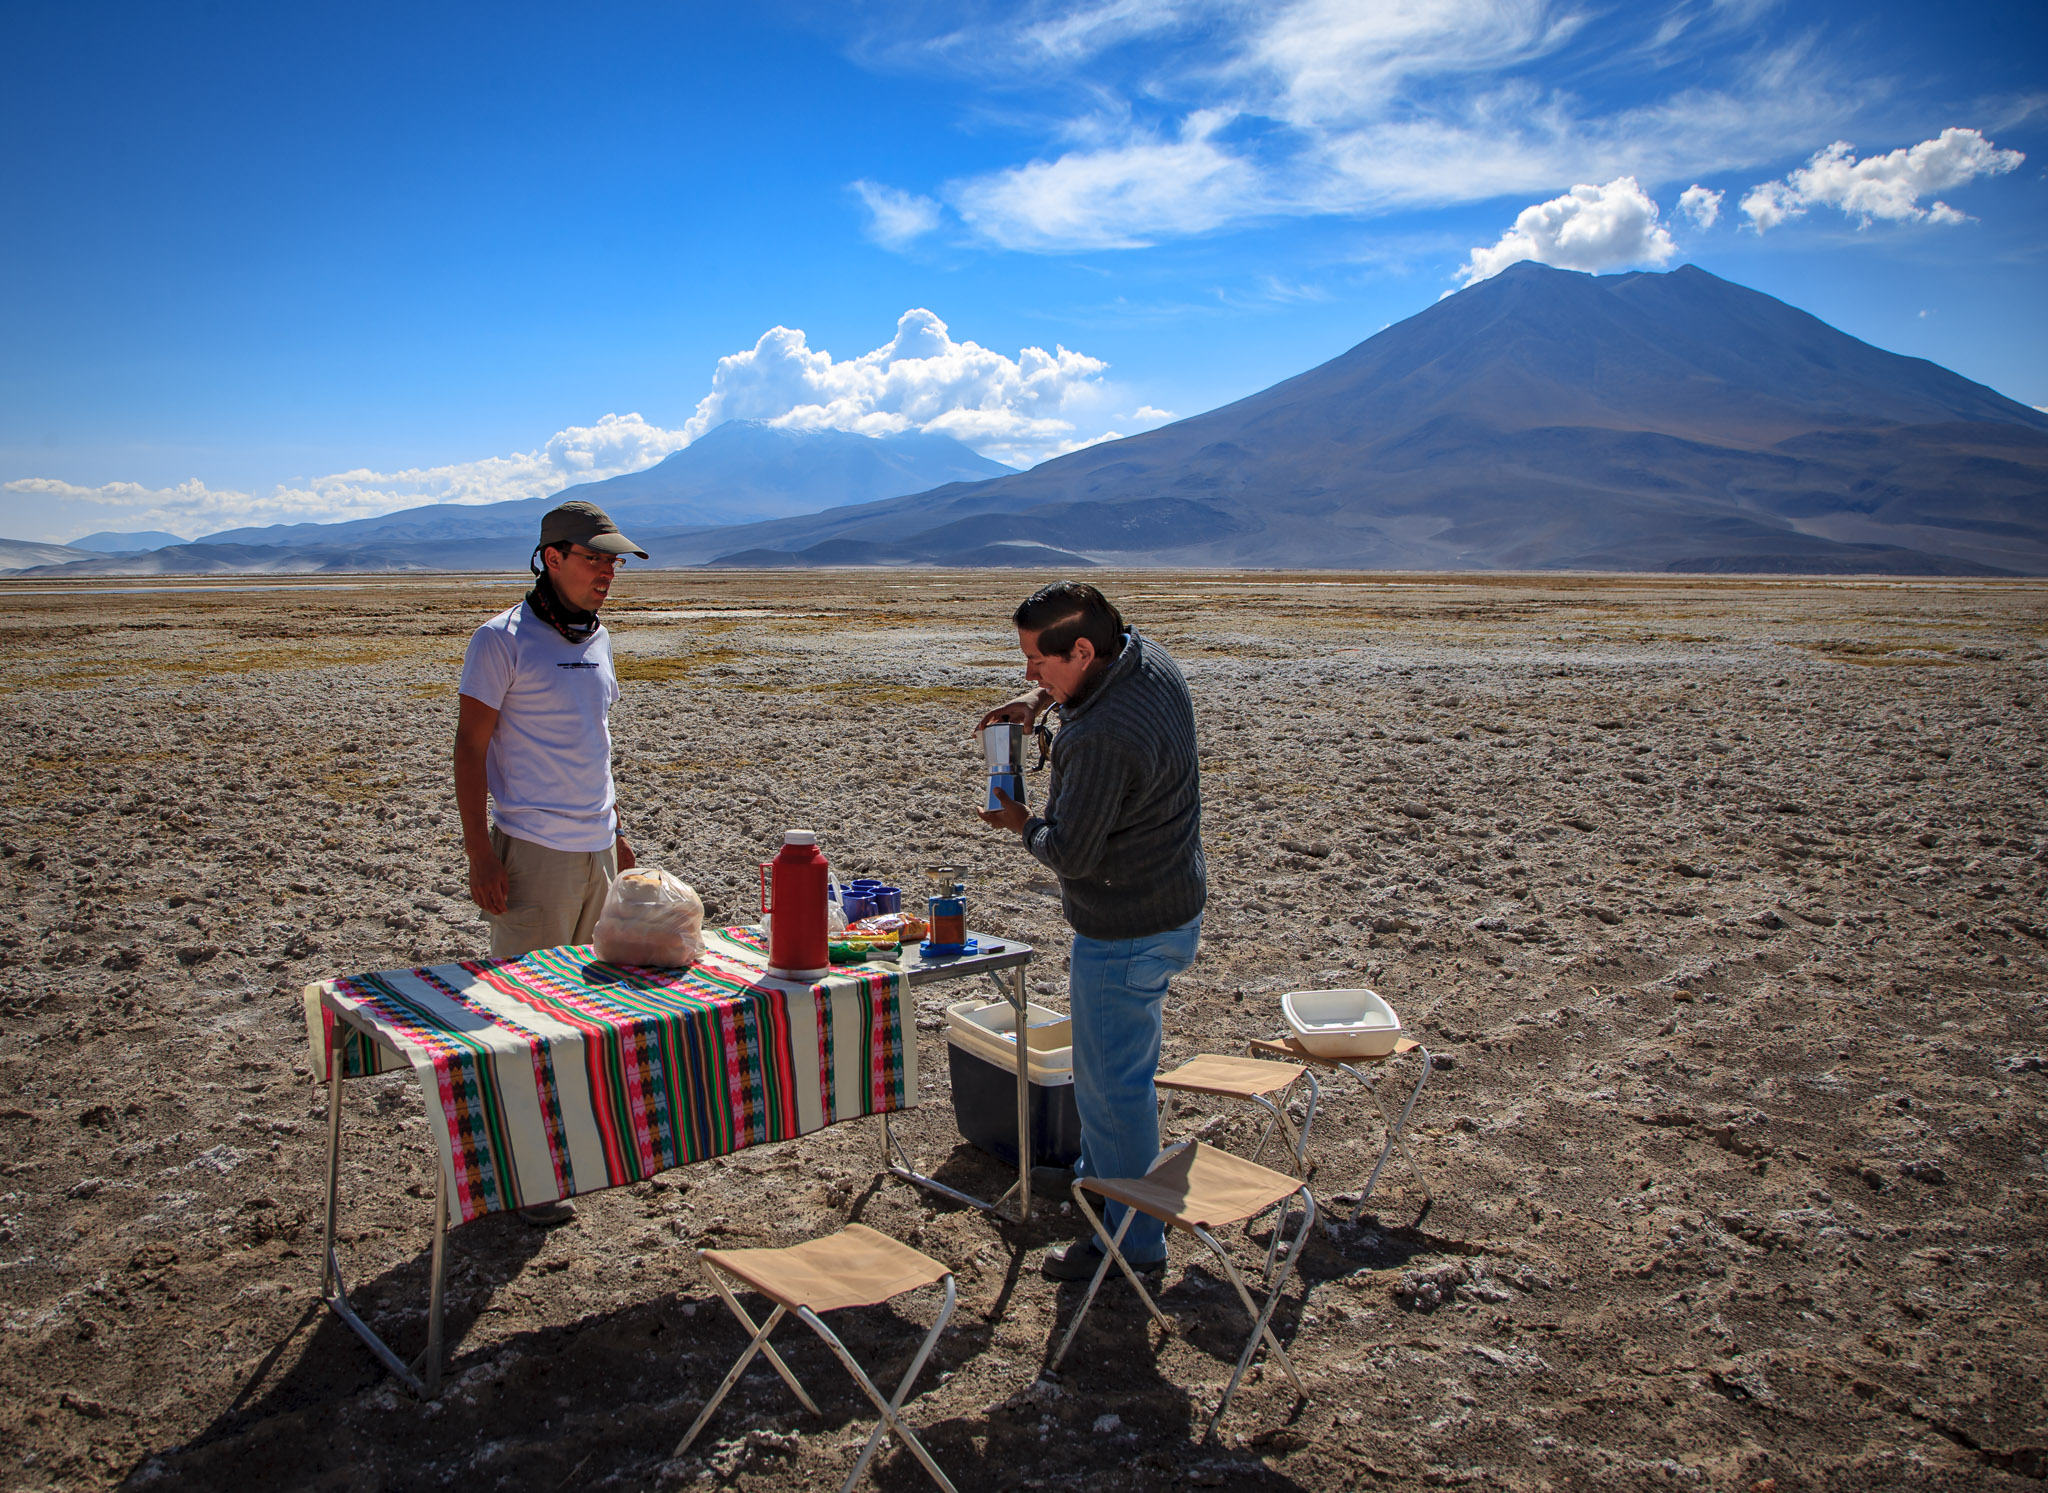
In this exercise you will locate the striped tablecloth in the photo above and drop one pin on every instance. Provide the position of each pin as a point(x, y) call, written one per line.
point(557, 1073)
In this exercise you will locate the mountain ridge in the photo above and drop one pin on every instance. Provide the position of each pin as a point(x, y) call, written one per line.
point(1545, 419)
point(1540, 419)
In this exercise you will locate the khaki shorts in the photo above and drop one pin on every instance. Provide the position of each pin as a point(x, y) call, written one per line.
point(555, 895)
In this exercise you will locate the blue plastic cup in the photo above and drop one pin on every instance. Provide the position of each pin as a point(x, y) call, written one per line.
point(888, 899)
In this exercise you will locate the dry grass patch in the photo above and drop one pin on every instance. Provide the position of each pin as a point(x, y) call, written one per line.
point(40, 778)
point(671, 668)
point(850, 692)
point(1881, 655)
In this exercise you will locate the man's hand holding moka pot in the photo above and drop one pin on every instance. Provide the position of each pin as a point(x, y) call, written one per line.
point(1022, 711)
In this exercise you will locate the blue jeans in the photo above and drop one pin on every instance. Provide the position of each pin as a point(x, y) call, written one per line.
point(1118, 995)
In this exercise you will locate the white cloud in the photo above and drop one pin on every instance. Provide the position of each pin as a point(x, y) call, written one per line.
point(1203, 115)
point(1124, 196)
point(1589, 228)
point(896, 219)
point(1701, 204)
point(1019, 410)
point(579, 453)
point(1332, 60)
point(1084, 30)
point(1887, 186)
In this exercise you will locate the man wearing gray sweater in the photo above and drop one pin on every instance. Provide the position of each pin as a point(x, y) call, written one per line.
point(1122, 829)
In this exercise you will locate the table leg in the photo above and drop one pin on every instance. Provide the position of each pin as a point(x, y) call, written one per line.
point(334, 1290)
point(430, 1374)
point(330, 1276)
point(897, 1162)
point(1017, 1003)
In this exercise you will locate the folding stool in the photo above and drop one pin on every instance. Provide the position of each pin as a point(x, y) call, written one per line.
point(1291, 1054)
point(1198, 1188)
point(1256, 1082)
point(855, 1267)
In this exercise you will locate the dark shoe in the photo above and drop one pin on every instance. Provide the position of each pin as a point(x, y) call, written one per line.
point(1081, 1259)
point(548, 1215)
point(1051, 1181)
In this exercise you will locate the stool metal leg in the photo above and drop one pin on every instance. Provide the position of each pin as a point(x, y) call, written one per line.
point(892, 1418)
point(1295, 1140)
point(758, 1344)
point(1261, 1319)
point(1396, 1134)
point(1113, 1250)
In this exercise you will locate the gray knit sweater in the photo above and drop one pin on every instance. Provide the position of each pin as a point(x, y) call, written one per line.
point(1122, 826)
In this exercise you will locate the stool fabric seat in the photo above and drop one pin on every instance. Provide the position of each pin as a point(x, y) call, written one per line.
point(1199, 1187)
point(1289, 1049)
point(855, 1267)
point(858, 1266)
point(1240, 1078)
point(1268, 1085)
point(1196, 1188)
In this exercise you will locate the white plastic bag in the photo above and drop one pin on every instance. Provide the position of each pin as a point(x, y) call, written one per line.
point(650, 918)
point(835, 916)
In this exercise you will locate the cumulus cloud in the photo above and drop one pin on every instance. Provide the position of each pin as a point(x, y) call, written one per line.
point(1887, 186)
point(896, 219)
point(1701, 204)
point(1589, 228)
point(580, 453)
point(1019, 410)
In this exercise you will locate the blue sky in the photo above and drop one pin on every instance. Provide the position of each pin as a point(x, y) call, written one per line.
point(271, 263)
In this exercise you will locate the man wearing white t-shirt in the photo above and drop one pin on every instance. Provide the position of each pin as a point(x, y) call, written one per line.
point(534, 731)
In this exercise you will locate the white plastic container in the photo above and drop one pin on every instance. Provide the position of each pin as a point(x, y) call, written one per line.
point(1342, 1023)
point(988, 1030)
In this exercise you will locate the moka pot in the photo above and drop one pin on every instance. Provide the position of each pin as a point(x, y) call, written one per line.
point(1003, 745)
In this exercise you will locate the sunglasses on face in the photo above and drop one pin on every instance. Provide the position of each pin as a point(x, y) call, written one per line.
point(594, 559)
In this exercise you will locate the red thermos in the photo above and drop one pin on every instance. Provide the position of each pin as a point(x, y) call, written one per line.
point(796, 921)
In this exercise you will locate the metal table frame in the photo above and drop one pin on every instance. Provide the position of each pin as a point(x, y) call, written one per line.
point(423, 1374)
point(1003, 961)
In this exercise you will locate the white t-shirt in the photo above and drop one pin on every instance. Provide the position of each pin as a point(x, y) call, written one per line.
point(549, 766)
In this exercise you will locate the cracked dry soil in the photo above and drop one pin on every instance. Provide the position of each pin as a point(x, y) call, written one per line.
point(1723, 899)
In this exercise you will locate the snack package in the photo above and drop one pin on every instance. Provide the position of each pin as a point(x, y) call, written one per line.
point(650, 918)
point(900, 925)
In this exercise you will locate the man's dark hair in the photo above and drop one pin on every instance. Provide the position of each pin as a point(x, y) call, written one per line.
point(1067, 611)
point(539, 566)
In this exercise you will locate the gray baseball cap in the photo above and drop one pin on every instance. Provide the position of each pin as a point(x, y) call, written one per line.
point(586, 524)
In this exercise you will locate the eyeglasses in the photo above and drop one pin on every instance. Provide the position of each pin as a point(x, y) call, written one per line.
point(593, 558)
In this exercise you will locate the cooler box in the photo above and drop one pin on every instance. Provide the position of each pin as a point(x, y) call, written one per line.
point(980, 1048)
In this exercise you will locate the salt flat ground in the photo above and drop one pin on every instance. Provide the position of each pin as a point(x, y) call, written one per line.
point(1723, 897)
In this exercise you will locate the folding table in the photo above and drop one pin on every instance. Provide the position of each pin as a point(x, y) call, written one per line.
point(556, 1074)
